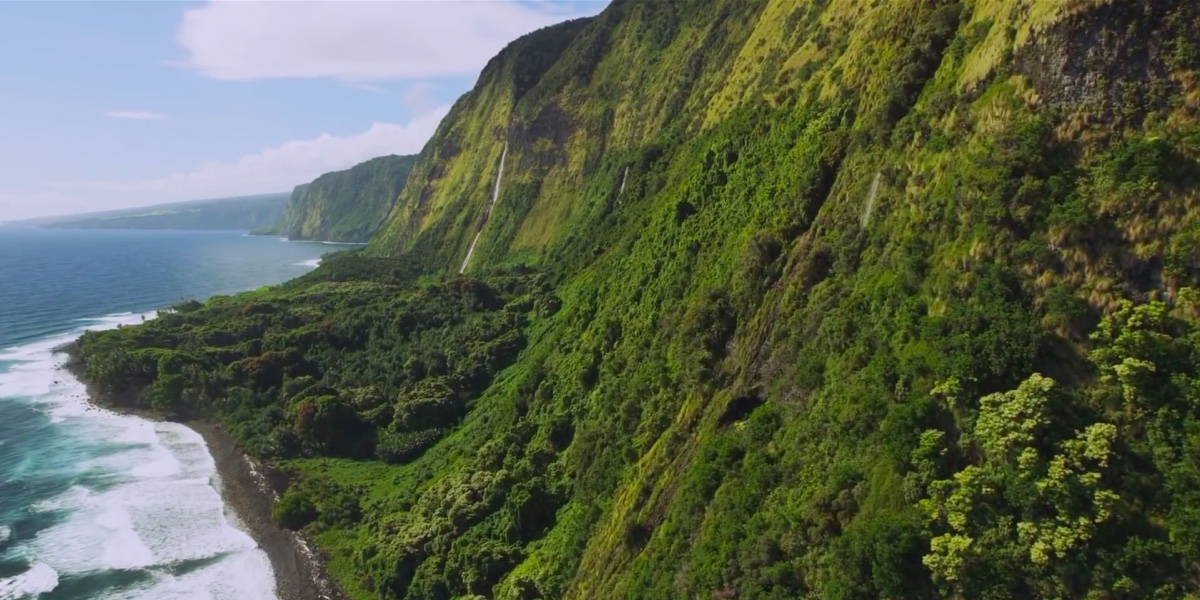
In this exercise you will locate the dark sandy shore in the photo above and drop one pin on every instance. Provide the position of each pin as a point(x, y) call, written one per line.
point(299, 572)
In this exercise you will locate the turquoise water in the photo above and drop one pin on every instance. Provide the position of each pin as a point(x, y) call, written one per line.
point(95, 505)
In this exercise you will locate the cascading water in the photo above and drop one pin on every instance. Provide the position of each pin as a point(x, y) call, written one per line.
point(470, 251)
point(624, 179)
point(870, 205)
point(487, 213)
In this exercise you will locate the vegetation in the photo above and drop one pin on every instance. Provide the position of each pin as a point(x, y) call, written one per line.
point(328, 365)
point(778, 300)
point(272, 229)
point(232, 214)
point(346, 206)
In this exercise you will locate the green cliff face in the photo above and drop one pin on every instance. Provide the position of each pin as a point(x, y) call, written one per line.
point(779, 299)
point(347, 206)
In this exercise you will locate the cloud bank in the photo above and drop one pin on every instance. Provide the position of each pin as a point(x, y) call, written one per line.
point(135, 115)
point(359, 41)
point(274, 169)
point(419, 98)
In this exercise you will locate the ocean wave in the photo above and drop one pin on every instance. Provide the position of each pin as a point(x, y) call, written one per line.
point(284, 239)
point(227, 579)
point(118, 319)
point(314, 263)
point(143, 501)
point(38, 373)
point(163, 508)
point(5, 534)
point(39, 579)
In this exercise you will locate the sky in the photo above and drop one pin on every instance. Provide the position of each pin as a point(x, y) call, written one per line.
point(107, 105)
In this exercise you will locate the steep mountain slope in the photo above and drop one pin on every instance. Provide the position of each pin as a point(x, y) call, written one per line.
point(238, 214)
point(347, 206)
point(776, 299)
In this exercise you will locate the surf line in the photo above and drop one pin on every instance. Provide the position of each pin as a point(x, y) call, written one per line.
point(486, 213)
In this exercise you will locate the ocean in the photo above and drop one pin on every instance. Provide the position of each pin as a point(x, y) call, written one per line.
point(100, 506)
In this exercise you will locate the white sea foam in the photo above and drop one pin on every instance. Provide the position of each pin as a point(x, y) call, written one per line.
point(76, 495)
point(164, 509)
point(38, 374)
point(5, 534)
point(39, 579)
point(146, 497)
point(314, 263)
point(224, 580)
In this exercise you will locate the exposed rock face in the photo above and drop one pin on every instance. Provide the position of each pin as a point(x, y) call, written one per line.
point(1113, 62)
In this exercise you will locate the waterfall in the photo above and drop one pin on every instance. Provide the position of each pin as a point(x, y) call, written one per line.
point(624, 179)
point(870, 206)
point(499, 178)
point(470, 251)
point(486, 213)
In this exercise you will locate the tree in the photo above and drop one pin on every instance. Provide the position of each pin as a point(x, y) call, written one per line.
point(1027, 512)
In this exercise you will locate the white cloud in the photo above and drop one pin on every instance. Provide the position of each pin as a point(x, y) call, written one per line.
point(418, 98)
point(374, 89)
point(274, 169)
point(359, 41)
point(135, 115)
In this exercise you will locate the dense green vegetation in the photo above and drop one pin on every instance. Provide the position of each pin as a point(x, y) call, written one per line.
point(233, 214)
point(346, 206)
point(781, 299)
point(291, 368)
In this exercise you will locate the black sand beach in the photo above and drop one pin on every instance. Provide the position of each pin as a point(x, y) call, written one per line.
point(299, 573)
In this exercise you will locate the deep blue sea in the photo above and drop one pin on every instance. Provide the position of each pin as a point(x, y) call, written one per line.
point(100, 506)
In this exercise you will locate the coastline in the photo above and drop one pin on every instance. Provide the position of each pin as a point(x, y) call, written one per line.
point(299, 571)
point(248, 495)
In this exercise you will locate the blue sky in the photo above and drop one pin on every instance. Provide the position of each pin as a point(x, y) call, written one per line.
point(118, 104)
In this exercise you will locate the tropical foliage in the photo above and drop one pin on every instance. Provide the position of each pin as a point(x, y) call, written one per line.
point(346, 206)
point(820, 299)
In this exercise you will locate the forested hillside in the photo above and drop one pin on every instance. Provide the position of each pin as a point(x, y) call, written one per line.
point(779, 299)
point(346, 206)
point(233, 214)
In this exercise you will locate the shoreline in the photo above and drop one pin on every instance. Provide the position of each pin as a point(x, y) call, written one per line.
point(248, 495)
point(299, 571)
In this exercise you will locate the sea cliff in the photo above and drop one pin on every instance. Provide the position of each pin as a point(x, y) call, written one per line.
point(774, 299)
point(349, 205)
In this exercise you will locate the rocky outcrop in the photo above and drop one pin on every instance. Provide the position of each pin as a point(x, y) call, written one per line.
point(1113, 62)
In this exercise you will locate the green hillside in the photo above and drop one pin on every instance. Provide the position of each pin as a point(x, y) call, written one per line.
point(347, 206)
point(779, 299)
point(234, 214)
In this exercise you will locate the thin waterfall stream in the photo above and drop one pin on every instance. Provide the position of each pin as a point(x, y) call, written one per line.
point(870, 205)
point(488, 212)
